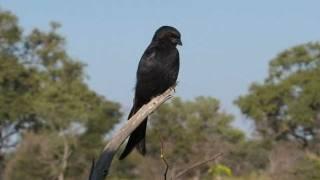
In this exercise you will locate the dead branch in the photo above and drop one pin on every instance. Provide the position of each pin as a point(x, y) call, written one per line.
point(163, 159)
point(100, 169)
point(197, 164)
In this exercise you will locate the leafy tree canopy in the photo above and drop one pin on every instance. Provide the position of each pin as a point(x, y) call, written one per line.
point(287, 104)
point(43, 92)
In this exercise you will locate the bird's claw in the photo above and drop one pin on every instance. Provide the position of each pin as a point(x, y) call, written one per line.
point(172, 89)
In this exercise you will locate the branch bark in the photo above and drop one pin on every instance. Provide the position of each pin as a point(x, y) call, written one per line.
point(100, 169)
point(65, 158)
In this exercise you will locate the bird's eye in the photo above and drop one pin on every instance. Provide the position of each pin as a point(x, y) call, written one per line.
point(173, 34)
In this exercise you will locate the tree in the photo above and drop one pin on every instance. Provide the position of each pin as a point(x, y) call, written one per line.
point(43, 92)
point(287, 105)
point(190, 131)
point(13, 78)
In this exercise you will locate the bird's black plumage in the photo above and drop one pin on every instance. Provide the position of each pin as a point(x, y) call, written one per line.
point(157, 71)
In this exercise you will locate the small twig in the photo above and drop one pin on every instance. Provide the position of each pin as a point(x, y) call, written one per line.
point(101, 168)
point(163, 158)
point(197, 164)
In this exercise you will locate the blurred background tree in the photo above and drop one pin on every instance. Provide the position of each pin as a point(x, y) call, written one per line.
point(287, 105)
point(193, 131)
point(46, 104)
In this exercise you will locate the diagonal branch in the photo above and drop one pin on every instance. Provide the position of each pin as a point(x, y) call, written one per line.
point(197, 164)
point(100, 169)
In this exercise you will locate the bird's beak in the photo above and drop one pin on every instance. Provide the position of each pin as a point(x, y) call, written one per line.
point(179, 42)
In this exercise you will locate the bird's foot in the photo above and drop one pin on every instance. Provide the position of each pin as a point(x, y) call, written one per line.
point(173, 89)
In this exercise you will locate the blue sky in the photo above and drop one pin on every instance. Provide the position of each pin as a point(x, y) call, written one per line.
point(227, 44)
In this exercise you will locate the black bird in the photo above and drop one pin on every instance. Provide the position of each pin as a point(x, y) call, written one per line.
point(157, 71)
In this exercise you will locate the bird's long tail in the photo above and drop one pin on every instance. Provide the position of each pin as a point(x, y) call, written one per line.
point(137, 137)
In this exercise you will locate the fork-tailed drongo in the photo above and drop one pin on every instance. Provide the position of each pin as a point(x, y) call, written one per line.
point(157, 71)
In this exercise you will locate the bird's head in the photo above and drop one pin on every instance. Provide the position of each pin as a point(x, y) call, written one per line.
point(168, 35)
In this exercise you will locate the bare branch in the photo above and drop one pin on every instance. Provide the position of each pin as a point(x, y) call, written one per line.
point(163, 158)
point(197, 164)
point(100, 169)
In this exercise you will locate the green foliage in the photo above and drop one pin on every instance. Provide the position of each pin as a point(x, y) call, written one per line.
point(247, 157)
point(220, 170)
point(38, 157)
point(190, 131)
point(10, 32)
point(287, 104)
point(308, 168)
point(43, 91)
point(189, 124)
